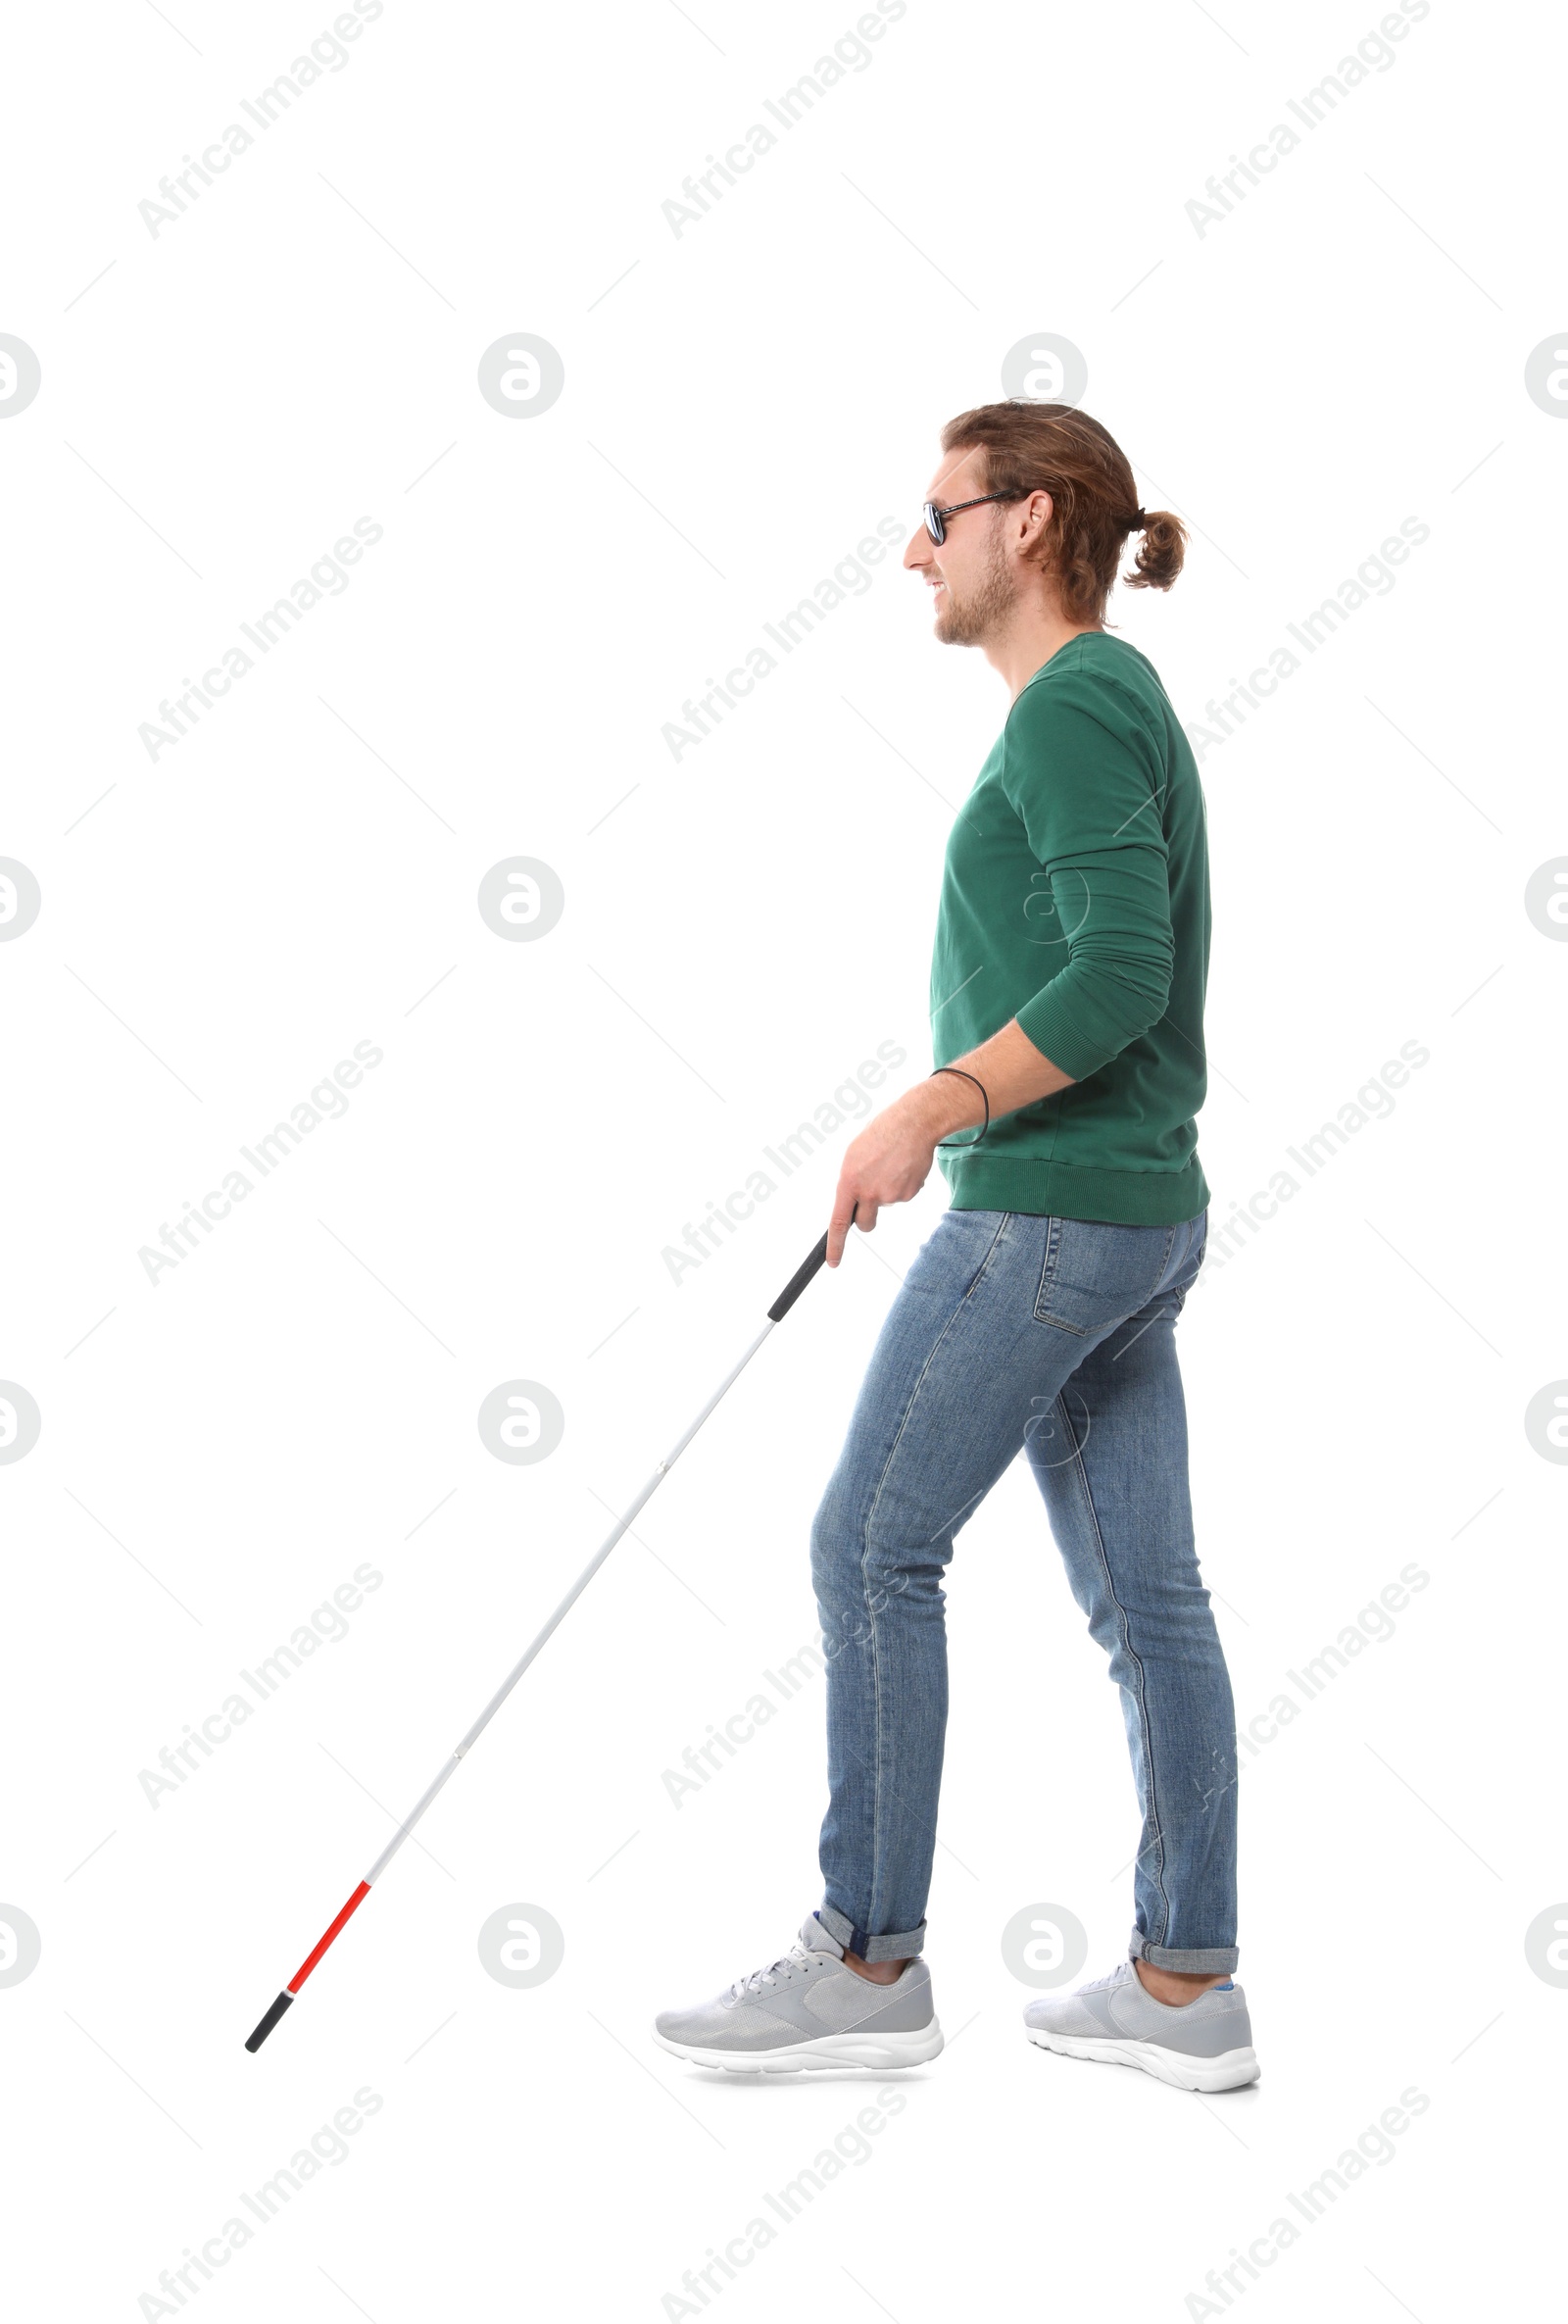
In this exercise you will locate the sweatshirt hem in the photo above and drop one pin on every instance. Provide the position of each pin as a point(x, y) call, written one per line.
point(1073, 1190)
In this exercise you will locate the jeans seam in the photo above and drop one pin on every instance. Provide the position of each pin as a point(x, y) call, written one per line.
point(1047, 1261)
point(865, 1552)
point(1137, 1665)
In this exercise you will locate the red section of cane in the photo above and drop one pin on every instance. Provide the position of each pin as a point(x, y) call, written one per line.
point(311, 1958)
point(286, 1997)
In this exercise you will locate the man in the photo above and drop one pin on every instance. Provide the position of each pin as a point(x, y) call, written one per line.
point(1066, 1000)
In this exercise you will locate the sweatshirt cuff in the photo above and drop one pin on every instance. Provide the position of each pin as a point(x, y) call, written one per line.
point(1052, 1031)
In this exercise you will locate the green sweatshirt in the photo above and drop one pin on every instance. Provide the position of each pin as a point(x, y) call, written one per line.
point(1075, 898)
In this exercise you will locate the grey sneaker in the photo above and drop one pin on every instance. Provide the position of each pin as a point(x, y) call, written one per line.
point(806, 2012)
point(1202, 2045)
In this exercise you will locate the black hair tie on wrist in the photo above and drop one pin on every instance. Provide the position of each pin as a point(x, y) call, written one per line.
point(962, 1143)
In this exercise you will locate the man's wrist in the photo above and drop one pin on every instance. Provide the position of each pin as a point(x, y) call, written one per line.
point(945, 1103)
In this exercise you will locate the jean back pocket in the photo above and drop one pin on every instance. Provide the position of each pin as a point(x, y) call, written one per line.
point(1096, 1272)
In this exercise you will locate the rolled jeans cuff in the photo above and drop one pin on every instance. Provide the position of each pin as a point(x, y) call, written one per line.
point(868, 1948)
point(1195, 1960)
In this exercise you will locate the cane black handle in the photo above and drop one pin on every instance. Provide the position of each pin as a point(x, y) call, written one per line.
point(801, 1277)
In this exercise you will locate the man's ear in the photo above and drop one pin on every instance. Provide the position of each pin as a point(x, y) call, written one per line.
point(1038, 513)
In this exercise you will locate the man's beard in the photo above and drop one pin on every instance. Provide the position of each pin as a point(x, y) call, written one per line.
point(985, 610)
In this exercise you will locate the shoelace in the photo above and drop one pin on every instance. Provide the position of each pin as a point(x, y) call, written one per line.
point(1118, 1976)
point(749, 1987)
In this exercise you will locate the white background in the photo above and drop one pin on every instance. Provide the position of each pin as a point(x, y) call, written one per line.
point(743, 402)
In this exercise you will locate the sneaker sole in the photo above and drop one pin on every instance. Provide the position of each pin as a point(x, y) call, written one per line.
point(1233, 2069)
point(881, 2054)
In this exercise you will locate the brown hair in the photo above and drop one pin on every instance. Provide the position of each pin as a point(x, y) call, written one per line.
point(1056, 448)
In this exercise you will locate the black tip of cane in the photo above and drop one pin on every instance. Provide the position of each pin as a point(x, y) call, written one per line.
point(268, 2021)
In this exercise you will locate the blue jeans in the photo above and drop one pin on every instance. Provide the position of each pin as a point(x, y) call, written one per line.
point(1054, 1336)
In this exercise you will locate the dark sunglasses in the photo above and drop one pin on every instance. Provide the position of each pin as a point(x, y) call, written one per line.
point(934, 517)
